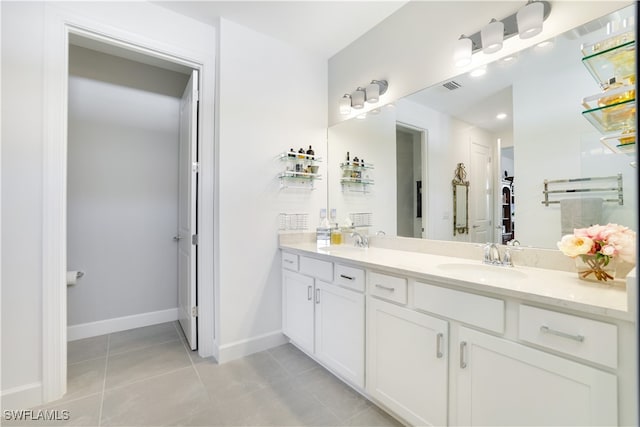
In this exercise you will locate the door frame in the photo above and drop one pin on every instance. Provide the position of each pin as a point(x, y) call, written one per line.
point(424, 147)
point(59, 24)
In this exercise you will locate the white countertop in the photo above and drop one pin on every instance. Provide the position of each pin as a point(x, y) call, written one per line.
point(553, 287)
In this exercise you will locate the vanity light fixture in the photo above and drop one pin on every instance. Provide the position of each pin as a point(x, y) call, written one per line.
point(530, 18)
point(370, 94)
point(375, 89)
point(357, 98)
point(345, 104)
point(527, 22)
point(463, 51)
point(492, 36)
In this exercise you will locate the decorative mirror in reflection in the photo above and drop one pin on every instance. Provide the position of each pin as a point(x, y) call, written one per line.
point(460, 201)
point(520, 123)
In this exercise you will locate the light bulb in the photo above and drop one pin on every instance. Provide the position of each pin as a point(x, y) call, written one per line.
point(492, 36)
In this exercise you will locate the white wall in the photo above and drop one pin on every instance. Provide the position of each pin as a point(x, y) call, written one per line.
point(23, 60)
point(122, 190)
point(412, 49)
point(272, 98)
point(22, 51)
point(373, 140)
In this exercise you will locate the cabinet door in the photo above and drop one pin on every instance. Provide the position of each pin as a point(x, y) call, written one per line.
point(340, 331)
point(504, 383)
point(297, 309)
point(407, 362)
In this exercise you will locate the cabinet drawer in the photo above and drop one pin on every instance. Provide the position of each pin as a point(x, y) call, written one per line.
point(584, 338)
point(388, 287)
point(317, 268)
point(477, 310)
point(350, 277)
point(290, 261)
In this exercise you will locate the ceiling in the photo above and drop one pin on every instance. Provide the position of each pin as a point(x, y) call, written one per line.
point(320, 27)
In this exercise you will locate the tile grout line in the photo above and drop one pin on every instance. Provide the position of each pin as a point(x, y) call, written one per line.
point(104, 382)
point(193, 365)
point(310, 394)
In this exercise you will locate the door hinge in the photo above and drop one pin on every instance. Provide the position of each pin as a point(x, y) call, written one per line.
point(194, 239)
point(195, 167)
point(194, 311)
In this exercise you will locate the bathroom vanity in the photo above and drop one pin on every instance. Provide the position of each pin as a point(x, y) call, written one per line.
point(437, 339)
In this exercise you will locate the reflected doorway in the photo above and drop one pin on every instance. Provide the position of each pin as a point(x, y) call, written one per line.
point(410, 208)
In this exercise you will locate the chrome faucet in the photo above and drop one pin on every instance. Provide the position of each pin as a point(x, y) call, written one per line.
point(491, 254)
point(361, 241)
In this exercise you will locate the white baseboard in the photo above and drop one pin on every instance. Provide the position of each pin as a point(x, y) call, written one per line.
point(22, 397)
point(238, 349)
point(101, 327)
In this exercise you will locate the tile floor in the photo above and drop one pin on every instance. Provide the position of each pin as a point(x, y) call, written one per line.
point(148, 377)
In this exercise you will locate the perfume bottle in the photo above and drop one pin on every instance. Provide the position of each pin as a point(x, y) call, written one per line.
point(310, 153)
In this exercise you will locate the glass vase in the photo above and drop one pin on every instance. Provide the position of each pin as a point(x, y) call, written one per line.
point(596, 268)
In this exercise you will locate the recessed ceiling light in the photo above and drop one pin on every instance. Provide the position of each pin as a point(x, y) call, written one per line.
point(501, 116)
point(509, 58)
point(478, 72)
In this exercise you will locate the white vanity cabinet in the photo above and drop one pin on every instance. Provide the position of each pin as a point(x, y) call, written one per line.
point(407, 362)
point(503, 383)
point(298, 309)
point(325, 316)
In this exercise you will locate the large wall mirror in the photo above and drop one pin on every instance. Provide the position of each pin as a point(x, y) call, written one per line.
point(411, 148)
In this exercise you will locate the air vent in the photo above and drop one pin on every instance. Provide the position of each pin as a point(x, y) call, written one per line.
point(452, 85)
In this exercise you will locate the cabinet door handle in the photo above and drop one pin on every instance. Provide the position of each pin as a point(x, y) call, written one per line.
point(309, 292)
point(548, 330)
point(463, 357)
point(386, 288)
point(439, 339)
point(317, 296)
point(288, 261)
point(347, 277)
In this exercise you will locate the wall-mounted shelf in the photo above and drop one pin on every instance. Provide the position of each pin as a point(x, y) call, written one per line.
point(301, 170)
point(354, 178)
point(614, 110)
point(617, 61)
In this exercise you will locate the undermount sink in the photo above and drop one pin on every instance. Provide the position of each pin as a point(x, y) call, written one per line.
point(482, 273)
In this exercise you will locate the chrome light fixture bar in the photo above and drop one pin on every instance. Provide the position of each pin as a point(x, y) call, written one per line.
point(511, 24)
point(370, 94)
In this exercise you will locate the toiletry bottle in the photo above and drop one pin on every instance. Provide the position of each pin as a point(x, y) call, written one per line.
point(347, 162)
point(291, 153)
point(336, 235)
point(301, 153)
point(310, 153)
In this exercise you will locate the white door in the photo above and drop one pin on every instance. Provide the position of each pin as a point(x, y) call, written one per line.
point(480, 194)
point(187, 188)
point(339, 331)
point(407, 362)
point(297, 309)
point(502, 383)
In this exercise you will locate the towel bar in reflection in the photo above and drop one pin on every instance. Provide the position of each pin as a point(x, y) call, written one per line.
point(617, 189)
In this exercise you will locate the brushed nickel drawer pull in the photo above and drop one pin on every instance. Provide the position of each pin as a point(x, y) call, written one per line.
point(439, 339)
point(288, 261)
point(463, 359)
point(347, 277)
point(548, 330)
point(309, 292)
point(317, 296)
point(386, 288)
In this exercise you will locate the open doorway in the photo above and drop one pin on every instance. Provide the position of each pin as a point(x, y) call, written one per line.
point(409, 180)
point(131, 190)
